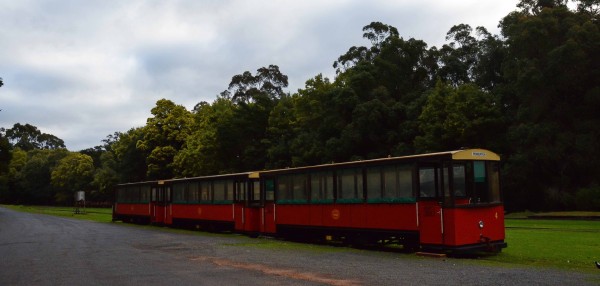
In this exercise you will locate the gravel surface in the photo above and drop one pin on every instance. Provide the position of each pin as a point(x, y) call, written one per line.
point(46, 250)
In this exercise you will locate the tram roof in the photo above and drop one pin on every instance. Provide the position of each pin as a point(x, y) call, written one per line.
point(463, 154)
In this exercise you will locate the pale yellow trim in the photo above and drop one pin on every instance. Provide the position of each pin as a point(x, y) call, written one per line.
point(161, 182)
point(475, 154)
point(254, 175)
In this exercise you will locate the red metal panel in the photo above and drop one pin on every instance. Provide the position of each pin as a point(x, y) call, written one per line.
point(293, 214)
point(316, 214)
point(239, 216)
point(337, 215)
point(133, 209)
point(269, 216)
point(252, 219)
point(392, 216)
point(158, 212)
point(462, 225)
point(366, 216)
point(430, 222)
point(203, 212)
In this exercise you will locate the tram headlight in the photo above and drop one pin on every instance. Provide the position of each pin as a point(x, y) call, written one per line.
point(481, 224)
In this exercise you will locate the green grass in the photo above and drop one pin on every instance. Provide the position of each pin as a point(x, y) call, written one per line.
point(564, 244)
point(93, 214)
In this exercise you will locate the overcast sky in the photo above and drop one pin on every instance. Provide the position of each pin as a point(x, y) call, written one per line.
point(81, 70)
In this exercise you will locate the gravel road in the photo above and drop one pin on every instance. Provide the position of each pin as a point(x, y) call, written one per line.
point(47, 250)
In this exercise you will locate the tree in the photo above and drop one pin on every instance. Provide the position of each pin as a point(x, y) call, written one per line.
point(164, 135)
point(552, 68)
point(73, 173)
point(268, 83)
point(254, 96)
point(105, 177)
point(28, 137)
point(131, 161)
point(30, 175)
point(455, 117)
point(209, 149)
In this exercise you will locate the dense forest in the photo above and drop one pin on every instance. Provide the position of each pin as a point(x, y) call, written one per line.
point(531, 94)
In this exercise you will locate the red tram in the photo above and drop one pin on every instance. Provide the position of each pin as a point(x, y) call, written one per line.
point(448, 201)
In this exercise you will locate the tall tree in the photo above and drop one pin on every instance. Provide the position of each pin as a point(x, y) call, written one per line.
point(208, 150)
point(164, 135)
point(455, 117)
point(131, 161)
point(255, 97)
point(28, 137)
point(73, 173)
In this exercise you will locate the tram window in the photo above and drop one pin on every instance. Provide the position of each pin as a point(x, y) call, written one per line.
point(405, 182)
point(240, 191)
point(479, 179)
point(446, 180)
point(374, 184)
point(193, 193)
point(494, 181)
point(459, 177)
point(120, 193)
point(391, 182)
point(256, 191)
point(321, 187)
point(350, 185)
point(292, 188)
point(229, 190)
point(179, 192)
point(219, 191)
point(397, 183)
point(168, 194)
point(159, 194)
point(269, 190)
point(123, 195)
point(144, 194)
point(205, 194)
point(283, 194)
point(427, 182)
point(154, 194)
point(299, 187)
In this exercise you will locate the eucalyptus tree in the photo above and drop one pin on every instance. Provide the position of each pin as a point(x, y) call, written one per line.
point(164, 135)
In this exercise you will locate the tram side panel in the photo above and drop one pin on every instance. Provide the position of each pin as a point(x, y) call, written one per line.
point(469, 226)
point(355, 218)
point(131, 212)
point(203, 213)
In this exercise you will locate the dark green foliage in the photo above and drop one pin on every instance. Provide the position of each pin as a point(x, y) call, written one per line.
point(28, 137)
point(552, 71)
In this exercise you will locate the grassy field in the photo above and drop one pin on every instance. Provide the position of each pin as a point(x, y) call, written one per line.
point(564, 244)
point(93, 214)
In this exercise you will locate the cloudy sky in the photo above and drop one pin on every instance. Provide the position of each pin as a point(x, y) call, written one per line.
point(81, 70)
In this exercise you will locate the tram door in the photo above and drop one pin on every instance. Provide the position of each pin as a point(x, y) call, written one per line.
point(268, 210)
point(159, 204)
point(431, 212)
point(248, 207)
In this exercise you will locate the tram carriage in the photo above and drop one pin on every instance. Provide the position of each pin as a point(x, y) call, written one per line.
point(448, 201)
